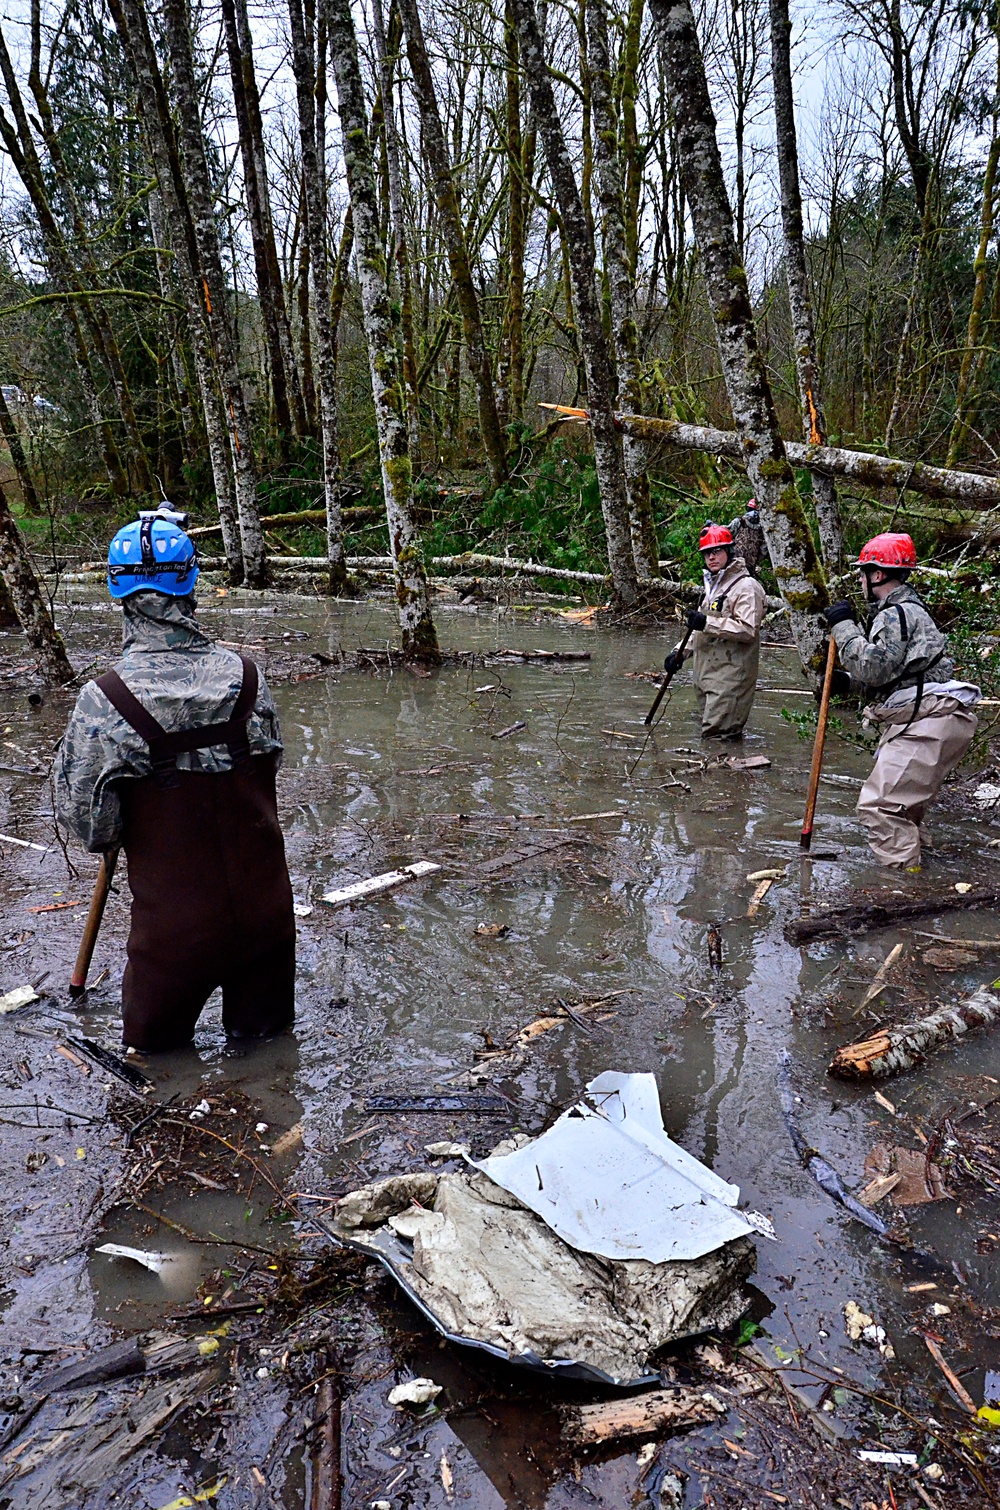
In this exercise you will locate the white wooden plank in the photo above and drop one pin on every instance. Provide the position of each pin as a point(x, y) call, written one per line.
point(360, 891)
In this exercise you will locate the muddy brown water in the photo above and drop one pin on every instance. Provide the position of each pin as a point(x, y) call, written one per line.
point(398, 995)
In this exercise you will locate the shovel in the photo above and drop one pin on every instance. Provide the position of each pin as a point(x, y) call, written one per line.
point(92, 927)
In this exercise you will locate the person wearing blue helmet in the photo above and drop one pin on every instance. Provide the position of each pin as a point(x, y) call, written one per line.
point(172, 756)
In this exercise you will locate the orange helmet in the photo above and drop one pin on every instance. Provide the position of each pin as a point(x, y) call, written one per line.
point(713, 536)
point(890, 552)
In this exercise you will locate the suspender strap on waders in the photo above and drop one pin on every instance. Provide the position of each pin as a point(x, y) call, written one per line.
point(164, 747)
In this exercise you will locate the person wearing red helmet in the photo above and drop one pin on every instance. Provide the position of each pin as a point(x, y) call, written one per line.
point(725, 641)
point(925, 716)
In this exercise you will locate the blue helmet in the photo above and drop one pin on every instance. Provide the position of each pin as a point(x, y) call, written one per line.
point(153, 554)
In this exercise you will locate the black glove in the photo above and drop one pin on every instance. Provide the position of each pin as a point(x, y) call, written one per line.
point(840, 685)
point(837, 613)
point(673, 662)
point(696, 619)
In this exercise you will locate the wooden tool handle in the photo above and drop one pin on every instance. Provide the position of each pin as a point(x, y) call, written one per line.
point(818, 743)
point(666, 682)
point(92, 927)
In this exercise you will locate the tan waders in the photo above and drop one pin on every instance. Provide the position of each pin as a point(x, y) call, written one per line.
point(911, 765)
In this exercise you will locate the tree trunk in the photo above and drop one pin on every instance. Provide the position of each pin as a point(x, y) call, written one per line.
point(517, 218)
point(965, 397)
point(198, 187)
point(419, 639)
point(624, 333)
point(797, 567)
point(797, 277)
point(313, 171)
point(970, 489)
point(26, 596)
point(154, 112)
point(402, 254)
point(446, 198)
point(600, 377)
point(269, 291)
point(12, 436)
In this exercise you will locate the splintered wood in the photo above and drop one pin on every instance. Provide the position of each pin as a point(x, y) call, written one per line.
point(899, 1048)
point(658, 1411)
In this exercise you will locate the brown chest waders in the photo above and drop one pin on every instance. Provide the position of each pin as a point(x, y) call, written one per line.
point(211, 898)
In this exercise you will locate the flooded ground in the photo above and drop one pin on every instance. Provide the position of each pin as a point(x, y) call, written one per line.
point(594, 862)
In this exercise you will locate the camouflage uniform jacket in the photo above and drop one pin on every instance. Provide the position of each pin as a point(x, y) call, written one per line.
point(886, 659)
point(185, 680)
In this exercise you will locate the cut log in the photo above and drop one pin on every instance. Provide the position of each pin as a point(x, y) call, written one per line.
point(882, 912)
point(660, 1411)
point(360, 891)
point(902, 1046)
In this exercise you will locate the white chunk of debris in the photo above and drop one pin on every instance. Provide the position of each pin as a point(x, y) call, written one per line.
point(446, 1150)
point(415, 1392)
point(987, 794)
point(360, 891)
point(155, 1262)
point(21, 996)
point(301, 909)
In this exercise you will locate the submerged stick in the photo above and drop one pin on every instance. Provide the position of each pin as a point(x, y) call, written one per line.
point(824, 1174)
point(902, 1046)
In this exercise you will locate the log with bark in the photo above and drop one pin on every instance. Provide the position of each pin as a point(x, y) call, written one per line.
point(882, 912)
point(970, 489)
point(652, 1414)
point(893, 1050)
point(25, 595)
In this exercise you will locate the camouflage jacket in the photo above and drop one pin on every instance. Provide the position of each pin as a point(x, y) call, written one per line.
point(888, 657)
point(185, 680)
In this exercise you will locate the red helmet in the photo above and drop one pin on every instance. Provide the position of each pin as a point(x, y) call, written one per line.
point(890, 552)
point(714, 535)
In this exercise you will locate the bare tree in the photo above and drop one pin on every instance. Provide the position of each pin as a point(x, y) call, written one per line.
point(616, 267)
point(419, 639)
point(304, 61)
point(797, 277)
point(198, 187)
point(580, 252)
point(786, 529)
point(446, 196)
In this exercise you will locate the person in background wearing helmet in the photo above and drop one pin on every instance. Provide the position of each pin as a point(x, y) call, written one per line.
point(925, 716)
point(725, 643)
point(173, 756)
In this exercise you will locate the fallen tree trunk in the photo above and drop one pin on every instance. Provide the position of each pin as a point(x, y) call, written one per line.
point(361, 515)
point(883, 912)
point(901, 1047)
point(968, 488)
point(646, 1415)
